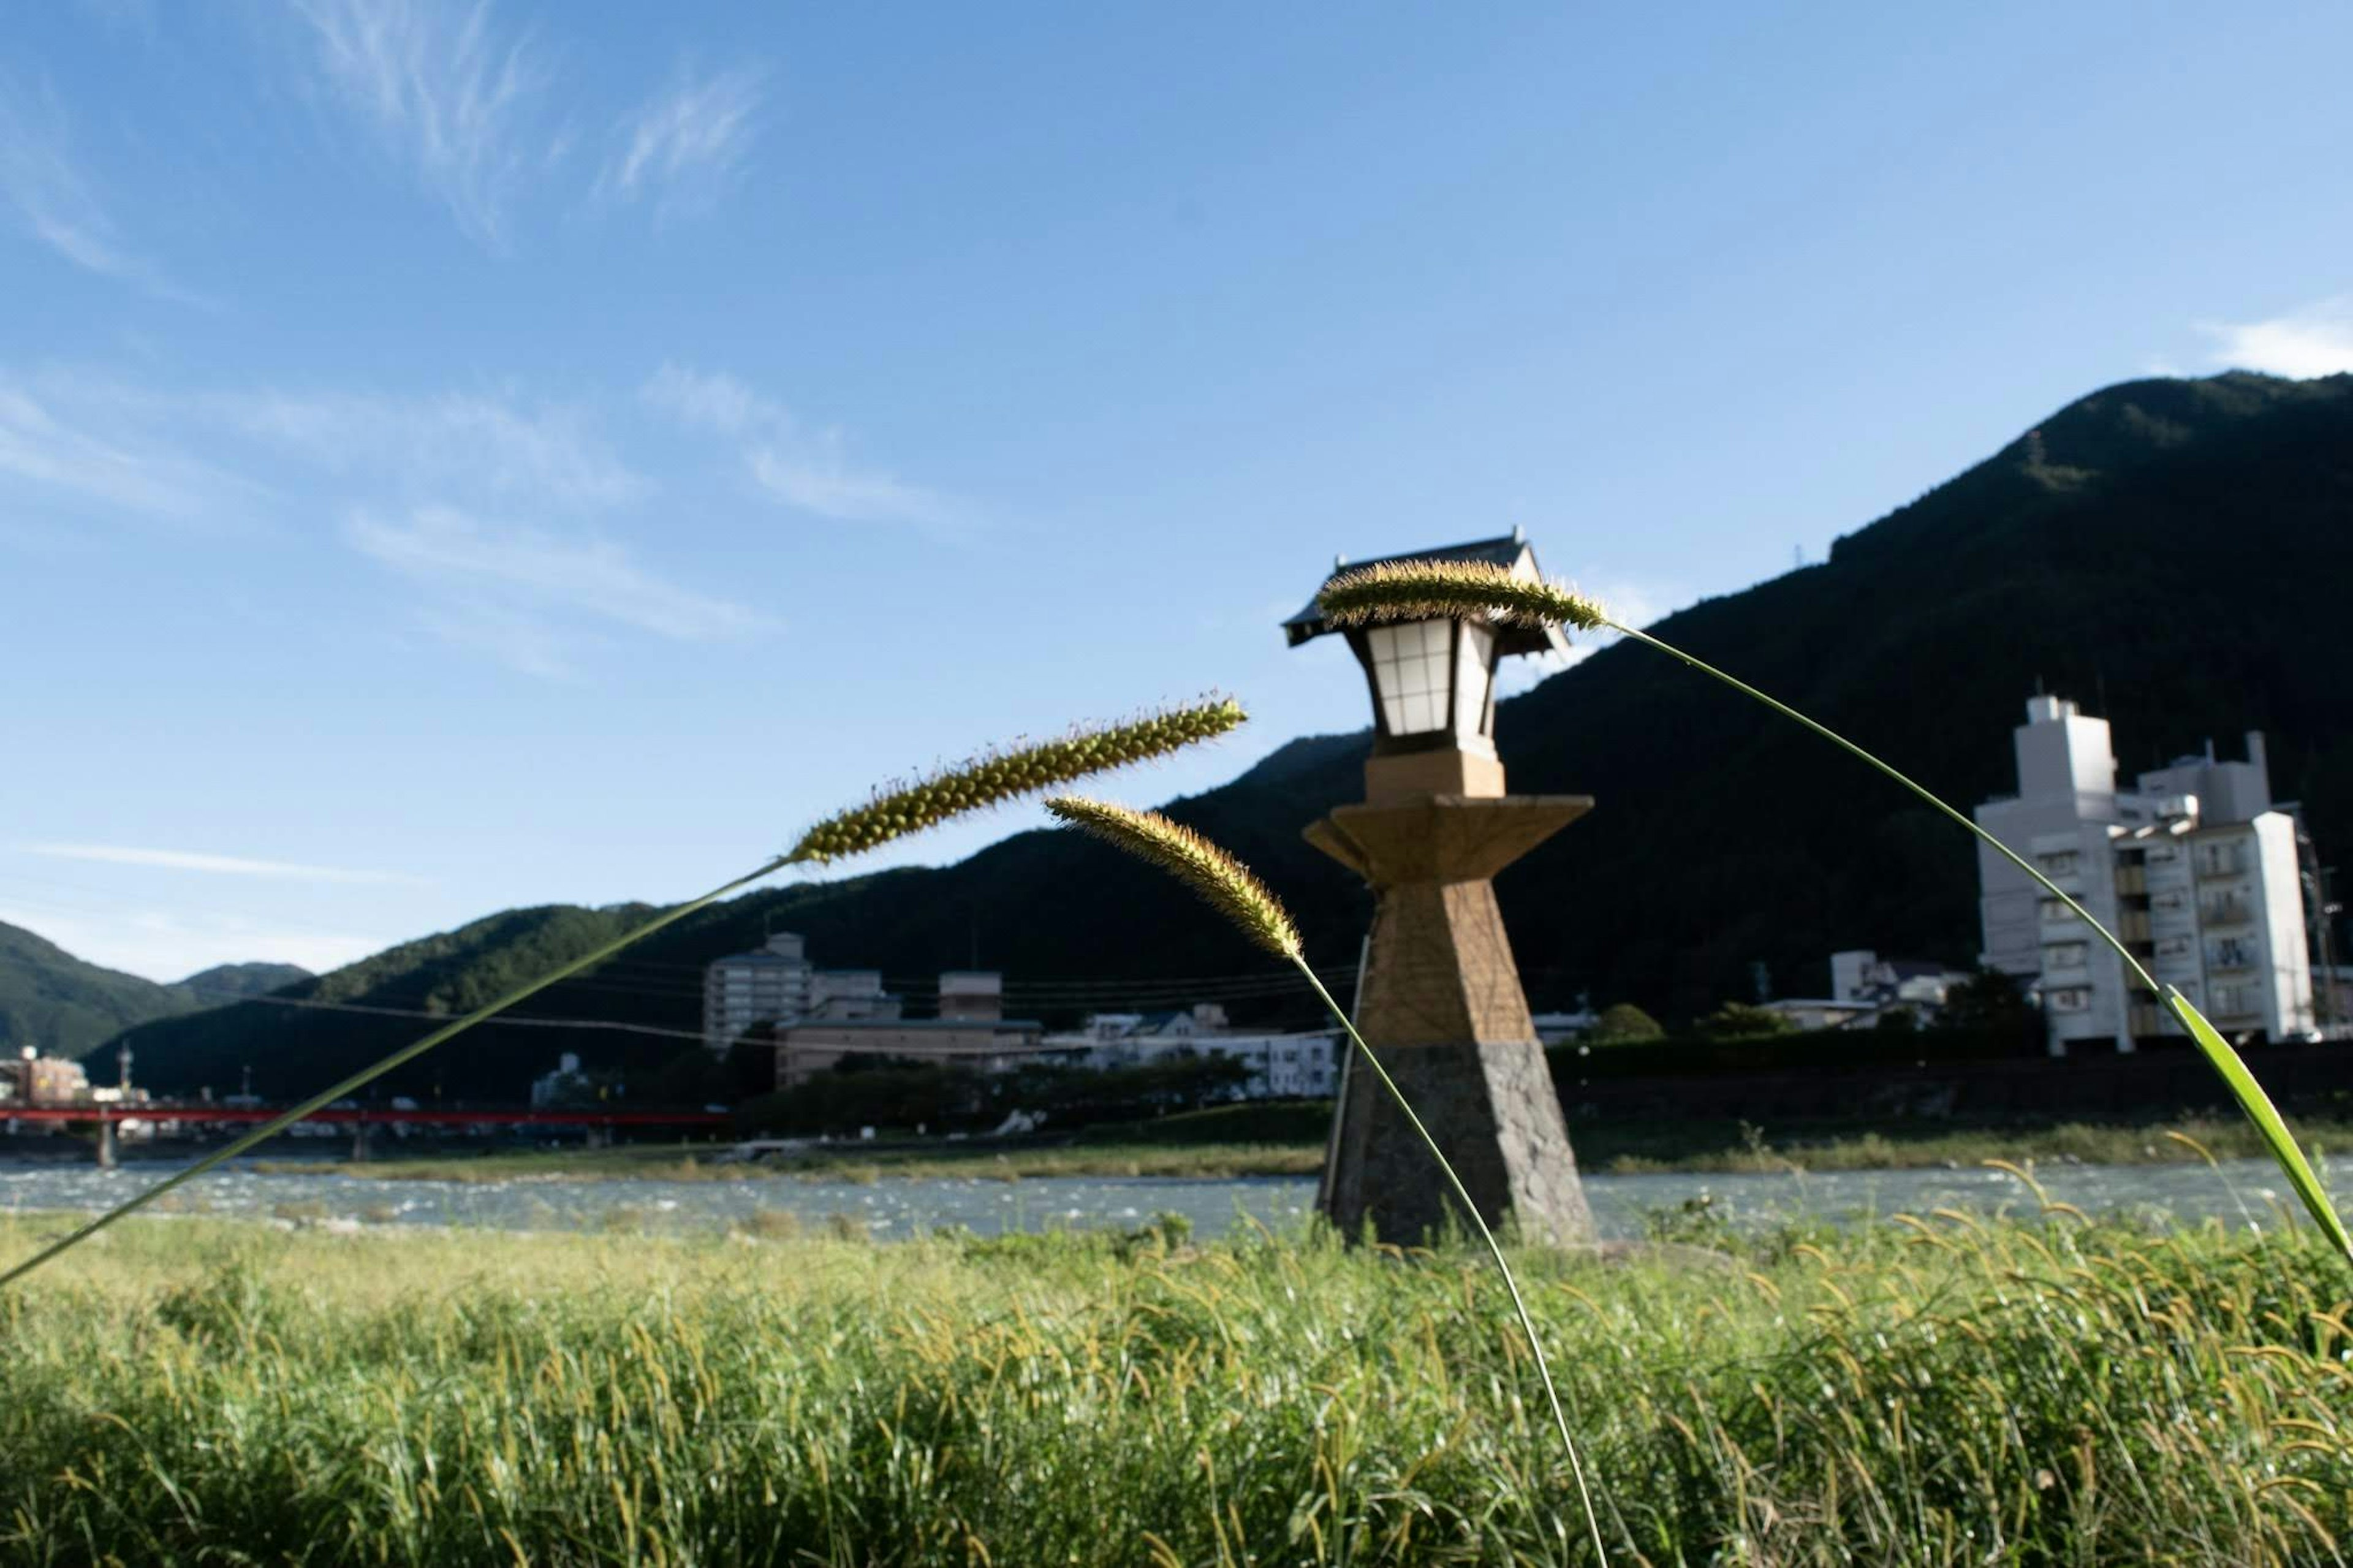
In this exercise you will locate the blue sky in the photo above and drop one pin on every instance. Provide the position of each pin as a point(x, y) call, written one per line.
point(462, 455)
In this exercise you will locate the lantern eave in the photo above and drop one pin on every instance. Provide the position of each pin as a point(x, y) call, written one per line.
point(1510, 551)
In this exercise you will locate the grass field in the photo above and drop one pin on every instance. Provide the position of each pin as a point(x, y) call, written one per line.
point(1287, 1141)
point(1930, 1393)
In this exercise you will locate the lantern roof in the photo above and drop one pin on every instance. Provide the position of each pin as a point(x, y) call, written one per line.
point(1510, 551)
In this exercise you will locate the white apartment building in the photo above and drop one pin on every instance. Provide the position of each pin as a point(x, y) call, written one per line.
point(2194, 870)
point(775, 982)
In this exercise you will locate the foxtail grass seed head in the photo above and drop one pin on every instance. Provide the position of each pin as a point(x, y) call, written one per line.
point(1183, 853)
point(1425, 590)
point(995, 777)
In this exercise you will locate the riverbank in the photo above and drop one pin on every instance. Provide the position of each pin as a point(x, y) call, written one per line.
point(1929, 1392)
point(1236, 1141)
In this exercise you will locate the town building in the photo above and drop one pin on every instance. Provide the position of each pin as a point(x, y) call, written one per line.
point(977, 994)
point(1867, 990)
point(568, 1085)
point(30, 1078)
point(813, 1045)
point(852, 996)
point(2196, 869)
point(1281, 1066)
point(1564, 1029)
point(773, 982)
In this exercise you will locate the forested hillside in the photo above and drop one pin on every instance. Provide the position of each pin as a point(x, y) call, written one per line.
point(56, 1002)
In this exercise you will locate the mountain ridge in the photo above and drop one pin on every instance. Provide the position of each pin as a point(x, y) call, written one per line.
point(56, 1002)
point(2081, 557)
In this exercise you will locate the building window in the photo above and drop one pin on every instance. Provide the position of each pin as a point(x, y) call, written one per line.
point(2064, 955)
point(2055, 911)
point(2069, 999)
point(2061, 864)
point(2220, 859)
point(2230, 952)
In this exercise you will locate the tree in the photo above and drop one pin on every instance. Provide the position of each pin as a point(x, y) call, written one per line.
point(1741, 1021)
point(1622, 1024)
point(1989, 1003)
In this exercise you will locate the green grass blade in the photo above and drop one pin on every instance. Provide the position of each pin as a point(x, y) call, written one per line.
point(2266, 1118)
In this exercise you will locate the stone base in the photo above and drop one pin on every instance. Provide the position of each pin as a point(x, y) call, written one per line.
point(1492, 1109)
point(1441, 1004)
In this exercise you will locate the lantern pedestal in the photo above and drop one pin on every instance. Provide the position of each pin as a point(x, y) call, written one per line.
point(1443, 1009)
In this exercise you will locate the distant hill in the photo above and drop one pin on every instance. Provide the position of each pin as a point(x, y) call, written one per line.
point(51, 1000)
point(231, 982)
point(2175, 554)
point(67, 1005)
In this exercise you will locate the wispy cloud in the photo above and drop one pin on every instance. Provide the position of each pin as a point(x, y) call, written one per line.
point(60, 442)
point(685, 146)
point(222, 864)
point(807, 469)
point(165, 945)
point(491, 446)
point(445, 89)
point(51, 197)
point(501, 587)
point(2317, 340)
point(129, 445)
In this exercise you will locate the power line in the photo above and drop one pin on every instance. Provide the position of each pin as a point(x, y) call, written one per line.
point(603, 1025)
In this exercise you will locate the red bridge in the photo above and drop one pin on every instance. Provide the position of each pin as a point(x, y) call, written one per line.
point(347, 1115)
point(361, 1120)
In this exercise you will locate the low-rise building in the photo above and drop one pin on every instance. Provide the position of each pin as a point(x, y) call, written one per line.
point(852, 996)
point(975, 993)
point(1281, 1066)
point(1822, 1012)
point(30, 1078)
point(812, 1045)
point(1560, 1028)
point(568, 1085)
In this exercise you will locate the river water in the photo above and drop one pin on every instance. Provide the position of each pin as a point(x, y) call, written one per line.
point(2241, 1192)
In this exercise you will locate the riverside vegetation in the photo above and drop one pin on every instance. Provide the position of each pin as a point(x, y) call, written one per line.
point(1934, 1391)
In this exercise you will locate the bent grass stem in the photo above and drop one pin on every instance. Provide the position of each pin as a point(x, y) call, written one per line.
point(1494, 1250)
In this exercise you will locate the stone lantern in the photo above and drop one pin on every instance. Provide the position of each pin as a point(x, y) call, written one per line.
point(1440, 998)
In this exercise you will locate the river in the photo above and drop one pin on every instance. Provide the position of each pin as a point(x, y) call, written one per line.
point(2241, 1192)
